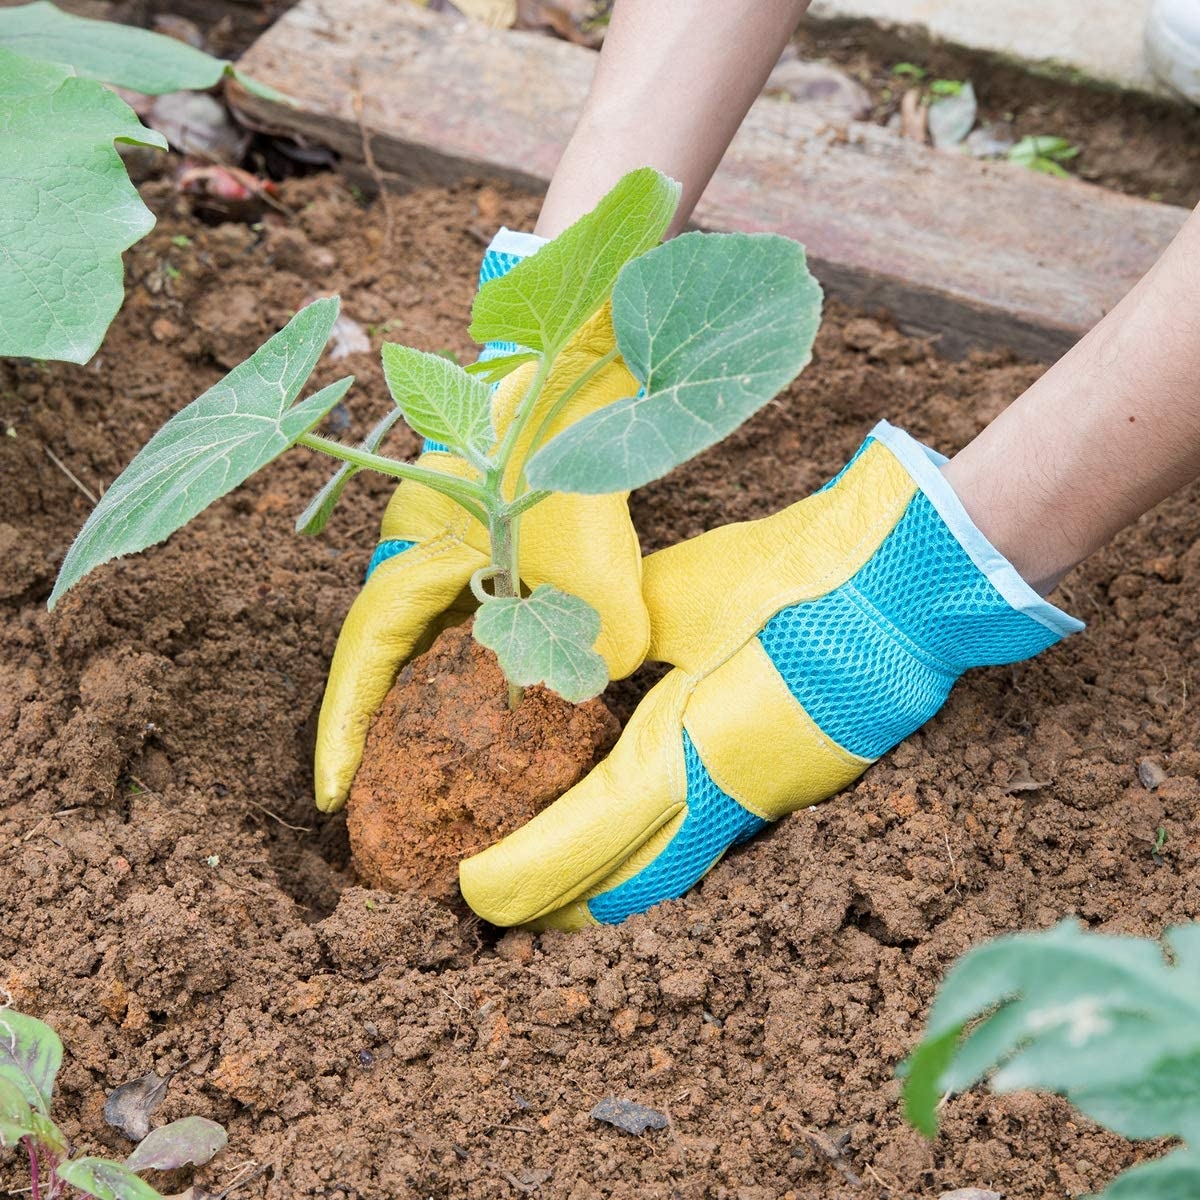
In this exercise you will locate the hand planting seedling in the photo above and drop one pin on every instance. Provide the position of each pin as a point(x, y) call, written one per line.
point(709, 327)
point(1099, 1019)
point(30, 1055)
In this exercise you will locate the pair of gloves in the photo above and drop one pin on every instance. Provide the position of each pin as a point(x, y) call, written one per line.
point(804, 646)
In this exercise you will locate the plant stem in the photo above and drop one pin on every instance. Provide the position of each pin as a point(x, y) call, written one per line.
point(467, 493)
point(563, 400)
point(35, 1188)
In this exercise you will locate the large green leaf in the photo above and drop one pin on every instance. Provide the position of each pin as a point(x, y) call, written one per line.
point(67, 209)
point(546, 297)
point(1102, 1020)
point(30, 1055)
point(16, 1116)
point(113, 53)
point(439, 399)
point(1174, 1177)
point(106, 1180)
point(545, 638)
point(714, 325)
point(188, 1140)
point(239, 425)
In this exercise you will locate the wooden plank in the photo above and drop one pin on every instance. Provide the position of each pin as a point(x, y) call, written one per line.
point(979, 254)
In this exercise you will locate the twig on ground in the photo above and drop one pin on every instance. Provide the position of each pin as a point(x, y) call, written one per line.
point(62, 466)
point(385, 199)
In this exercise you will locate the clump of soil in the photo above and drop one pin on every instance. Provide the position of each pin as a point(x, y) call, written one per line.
point(449, 768)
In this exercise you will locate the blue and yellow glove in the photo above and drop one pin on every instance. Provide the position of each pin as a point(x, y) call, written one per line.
point(806, 645)
point(418, 579)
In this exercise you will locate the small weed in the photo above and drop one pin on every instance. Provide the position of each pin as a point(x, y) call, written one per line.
point(1045, 154)
point(30, 1055)
point(181, 240)
point(907, 70)
point(1160, 839)
point(173, 272)
point(945, 87)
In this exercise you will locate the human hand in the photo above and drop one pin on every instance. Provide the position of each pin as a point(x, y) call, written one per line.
point(806, 645)
point(418, 582)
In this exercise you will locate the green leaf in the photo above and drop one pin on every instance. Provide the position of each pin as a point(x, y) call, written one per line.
point(714, 325)
point(545, 638)
point(546, 297)
point(239, 425)
point(946, 87)
point(15, 1114)
point(1102, 1020)
point(30, 1055)
point(114, 53)
point(106, 1180)
point(922, 1074)
point(189, 1140)
point(439, 399)
point(1173, 1177)
point(911, 70)
point(67, 209)
point(492, 370)
point(48, 1135)
point(316, 516)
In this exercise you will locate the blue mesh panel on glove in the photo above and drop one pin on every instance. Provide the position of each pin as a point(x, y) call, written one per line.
point(714, 821)
point(923, 581)
point(386, 550)
point(876, 658)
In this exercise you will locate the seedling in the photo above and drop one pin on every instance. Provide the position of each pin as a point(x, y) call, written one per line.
point(1102, 1020)
point(711, 326)
point(30, 1055)
point(1045, 154)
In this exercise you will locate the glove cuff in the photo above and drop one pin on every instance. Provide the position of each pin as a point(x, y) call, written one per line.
point(924, 465)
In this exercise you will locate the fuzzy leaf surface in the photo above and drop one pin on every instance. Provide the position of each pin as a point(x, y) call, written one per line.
point(1175, 1176)
point(1100, 1019)
point(546, 297)
point(545, 638)
point(106, 1180)
point(492, 370)
point(713, 326)
point(30, 1055)
point(316, 516)
point(217, 442)
point(188, 1140)
point(67, 209)
point(113, 53)
point(439, 399)
point(16, 1116)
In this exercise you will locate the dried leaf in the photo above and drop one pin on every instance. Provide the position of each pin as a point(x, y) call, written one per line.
point(130, 1107)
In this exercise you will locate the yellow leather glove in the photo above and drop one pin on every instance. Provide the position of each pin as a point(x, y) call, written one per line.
point(430, 548)
point(805, 645)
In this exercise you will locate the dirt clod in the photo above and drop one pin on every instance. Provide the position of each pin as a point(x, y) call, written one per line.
point(449, 768)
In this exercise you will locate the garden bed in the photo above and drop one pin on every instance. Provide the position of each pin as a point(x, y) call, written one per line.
point(169, 893)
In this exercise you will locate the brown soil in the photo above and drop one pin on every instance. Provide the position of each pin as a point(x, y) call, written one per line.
point(1130, 143)
point(167, 888)
point(449, 768)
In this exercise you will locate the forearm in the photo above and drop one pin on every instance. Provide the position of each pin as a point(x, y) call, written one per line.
point(673, 83)
point(1105, 434)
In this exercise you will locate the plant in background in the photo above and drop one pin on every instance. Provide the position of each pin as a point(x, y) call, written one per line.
point(30, 1055)
point(67, 207)
point(711, 325)
point(1045, 154)
point(1100, 1019)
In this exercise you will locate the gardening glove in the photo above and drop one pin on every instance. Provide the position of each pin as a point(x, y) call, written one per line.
point(806, 645)
point(418, 579)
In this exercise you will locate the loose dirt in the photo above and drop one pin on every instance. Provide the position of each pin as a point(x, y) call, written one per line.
point(167, 889)
point(449, 768)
